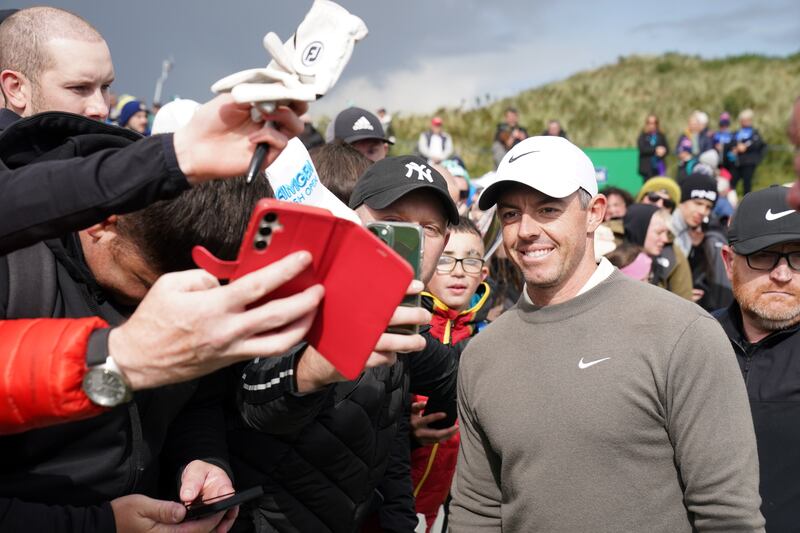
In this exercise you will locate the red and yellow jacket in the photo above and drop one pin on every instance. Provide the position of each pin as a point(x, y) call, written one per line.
point(42, 364)
point(433, 467)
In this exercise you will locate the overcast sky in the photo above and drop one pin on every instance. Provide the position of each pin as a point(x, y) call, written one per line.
point(423, 54)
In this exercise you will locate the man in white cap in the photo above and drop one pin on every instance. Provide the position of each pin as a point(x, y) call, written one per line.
point(616, 406)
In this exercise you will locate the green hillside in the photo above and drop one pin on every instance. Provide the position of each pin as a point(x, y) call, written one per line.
point(607, 106)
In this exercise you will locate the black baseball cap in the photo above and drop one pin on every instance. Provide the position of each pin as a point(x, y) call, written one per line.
point(763, 219)
point(356, 124)
point(391, 178)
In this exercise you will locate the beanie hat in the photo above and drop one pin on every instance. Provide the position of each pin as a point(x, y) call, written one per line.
point(636, 222)
point(128, 110)
point(661, 183)
point(699, 187)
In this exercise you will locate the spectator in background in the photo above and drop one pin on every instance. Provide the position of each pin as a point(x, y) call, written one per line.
point(660, 191)
point(508, 134)
point(722, 138)
point(793, 131)
point(458, 297)
point(763, 263)
point(339, 165)
point(631, 261)
point(618, 202)
point(748, 148)
point(310, 137)
point(362, 130)
point(386, 122)
point(133, 116)
point(554, 129)
point(647, 226)
point(461, 177)
point(653, 149)
point(435, 144)
point(692, 142)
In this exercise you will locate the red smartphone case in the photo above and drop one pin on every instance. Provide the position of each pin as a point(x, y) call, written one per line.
point(364, 279)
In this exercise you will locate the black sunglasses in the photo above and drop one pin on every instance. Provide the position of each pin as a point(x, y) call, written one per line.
point(655, 198)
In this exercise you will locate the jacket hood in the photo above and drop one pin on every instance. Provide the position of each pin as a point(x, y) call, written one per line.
point(55, 135)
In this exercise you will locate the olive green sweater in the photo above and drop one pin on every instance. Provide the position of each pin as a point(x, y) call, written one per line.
point(620, 410)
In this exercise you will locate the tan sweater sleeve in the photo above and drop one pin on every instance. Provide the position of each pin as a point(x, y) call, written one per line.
point(680, 281)
point(476, 486)
point(705, 397)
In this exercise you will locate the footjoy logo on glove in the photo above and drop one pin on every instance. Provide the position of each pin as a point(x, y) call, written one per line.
point(583, 365)
point(423, 172)
point(312, 53)
point(770, 216)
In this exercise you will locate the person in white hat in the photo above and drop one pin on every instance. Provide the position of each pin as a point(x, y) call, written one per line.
point(616, 405)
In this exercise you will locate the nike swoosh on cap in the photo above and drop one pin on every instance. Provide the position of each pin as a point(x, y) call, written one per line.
point(515, 157)
point(770, 216)
point(583, 365)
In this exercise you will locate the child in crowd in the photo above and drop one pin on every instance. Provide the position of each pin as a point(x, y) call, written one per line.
point(457, 295)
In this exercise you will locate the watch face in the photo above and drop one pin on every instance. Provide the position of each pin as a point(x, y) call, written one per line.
point(104, 387)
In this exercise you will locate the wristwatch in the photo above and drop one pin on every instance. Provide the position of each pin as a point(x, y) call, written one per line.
point(106, 386)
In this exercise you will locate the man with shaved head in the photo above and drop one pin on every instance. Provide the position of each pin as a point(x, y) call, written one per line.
point(54, 60)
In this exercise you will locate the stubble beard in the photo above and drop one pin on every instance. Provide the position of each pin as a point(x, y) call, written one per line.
point(764, 316)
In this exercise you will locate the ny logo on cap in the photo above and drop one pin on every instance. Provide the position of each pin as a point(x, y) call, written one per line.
point(423, 172)
point(362, 124)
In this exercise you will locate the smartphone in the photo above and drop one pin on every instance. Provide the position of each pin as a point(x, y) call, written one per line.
point(436, 405)
point(364, 279)
point(196, 511)
point(407, 240)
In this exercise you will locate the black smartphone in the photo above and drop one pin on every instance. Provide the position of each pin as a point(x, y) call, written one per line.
point(196, 511)
point(435, 405)
point(407, 240)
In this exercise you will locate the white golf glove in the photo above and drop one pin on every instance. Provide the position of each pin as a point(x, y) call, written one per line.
point(307, 65)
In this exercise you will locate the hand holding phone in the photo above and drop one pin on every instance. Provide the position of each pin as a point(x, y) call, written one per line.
point(202, 509)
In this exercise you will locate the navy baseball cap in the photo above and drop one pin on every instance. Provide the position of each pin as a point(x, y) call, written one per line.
point(356, 124)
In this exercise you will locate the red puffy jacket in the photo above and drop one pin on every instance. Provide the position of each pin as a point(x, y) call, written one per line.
point(42, 364)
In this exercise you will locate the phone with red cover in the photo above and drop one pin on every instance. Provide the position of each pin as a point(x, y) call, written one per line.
point(364, 279)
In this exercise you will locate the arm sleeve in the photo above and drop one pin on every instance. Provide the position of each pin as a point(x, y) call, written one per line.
point(89, 189)
point(16, 515)
point(268, 400)
point(422, 145)
point(198, 432)
point(680, 280)
point(447, 149)
point(397, 512)
point(42, 364)
point(434, 373)
point(476, 488)
point(709, 423)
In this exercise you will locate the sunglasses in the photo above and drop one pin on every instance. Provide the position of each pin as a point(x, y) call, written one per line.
point(769, 260)
point(463, 194)
point(655, 198)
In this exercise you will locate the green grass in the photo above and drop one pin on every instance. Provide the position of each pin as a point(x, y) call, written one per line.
point(607, 106)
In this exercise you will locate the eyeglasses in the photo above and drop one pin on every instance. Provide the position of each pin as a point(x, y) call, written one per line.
point(471, 265)
point(655, 198)
point(769, 260)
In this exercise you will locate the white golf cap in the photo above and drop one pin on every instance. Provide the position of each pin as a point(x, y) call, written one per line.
point(551, 165)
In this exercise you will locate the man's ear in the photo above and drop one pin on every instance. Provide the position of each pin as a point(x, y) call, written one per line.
point(17, 90)
point(727, 258)
point(105, 229)
point(597, 212)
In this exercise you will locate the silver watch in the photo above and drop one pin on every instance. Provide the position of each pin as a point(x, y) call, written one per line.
point(106, 386)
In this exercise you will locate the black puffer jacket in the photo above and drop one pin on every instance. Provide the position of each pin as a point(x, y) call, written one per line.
point(320, 456)
point(61, 478)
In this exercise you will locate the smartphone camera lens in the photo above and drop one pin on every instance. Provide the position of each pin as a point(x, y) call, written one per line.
point(260, 245)
point(265, 231)
point(270, 218)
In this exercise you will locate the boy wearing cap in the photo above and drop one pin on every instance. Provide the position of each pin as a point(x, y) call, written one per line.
point(328, 451)
point(763, 324)
point(362, 130)
point(617, 406)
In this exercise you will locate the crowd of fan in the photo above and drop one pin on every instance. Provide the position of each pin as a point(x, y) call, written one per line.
point(99, 225)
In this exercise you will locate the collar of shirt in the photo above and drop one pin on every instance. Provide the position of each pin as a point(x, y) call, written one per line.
point(603, 270)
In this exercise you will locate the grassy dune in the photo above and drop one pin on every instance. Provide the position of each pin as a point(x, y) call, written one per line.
point(607, 106)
